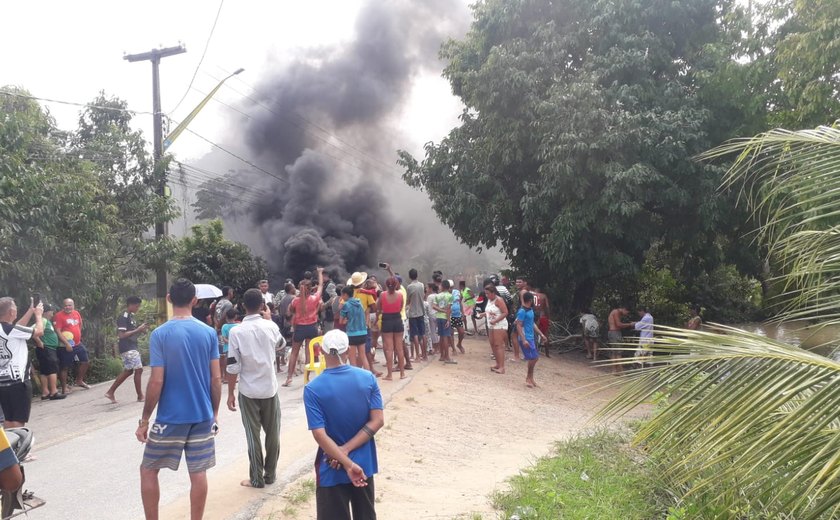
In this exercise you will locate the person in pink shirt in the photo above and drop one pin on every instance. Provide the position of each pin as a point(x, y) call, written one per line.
point(304, 310)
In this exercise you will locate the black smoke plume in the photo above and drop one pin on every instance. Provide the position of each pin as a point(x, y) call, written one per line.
point(332, 128)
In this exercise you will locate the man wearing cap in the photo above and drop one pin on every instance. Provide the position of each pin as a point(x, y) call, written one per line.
point(344, 412)
point(251, 358)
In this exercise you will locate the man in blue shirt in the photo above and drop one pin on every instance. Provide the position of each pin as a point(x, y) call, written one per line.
point(344, 412)
point(186, 387)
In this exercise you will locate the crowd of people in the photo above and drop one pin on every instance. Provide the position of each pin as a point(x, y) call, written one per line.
point(245, 342)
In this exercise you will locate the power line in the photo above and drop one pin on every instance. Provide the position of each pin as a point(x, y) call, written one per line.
point(235, 156)
point(201, 60)
point(83, 105)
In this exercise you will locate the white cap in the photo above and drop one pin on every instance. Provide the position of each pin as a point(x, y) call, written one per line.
point(335, 340)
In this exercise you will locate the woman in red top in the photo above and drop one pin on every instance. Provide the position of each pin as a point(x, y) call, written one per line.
point(389, 306)
point(304, 310)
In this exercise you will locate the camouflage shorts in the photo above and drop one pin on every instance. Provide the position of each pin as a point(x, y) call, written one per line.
point(131, 360)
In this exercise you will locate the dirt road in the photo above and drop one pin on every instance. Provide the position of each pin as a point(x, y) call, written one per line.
point(454, 433)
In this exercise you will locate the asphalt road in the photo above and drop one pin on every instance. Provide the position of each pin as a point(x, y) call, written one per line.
point(88, 458)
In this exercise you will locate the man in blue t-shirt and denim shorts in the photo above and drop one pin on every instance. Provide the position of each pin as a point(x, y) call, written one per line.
point(344, 412)
point(186, 387)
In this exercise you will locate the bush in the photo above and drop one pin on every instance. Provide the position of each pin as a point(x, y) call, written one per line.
point(103, 369)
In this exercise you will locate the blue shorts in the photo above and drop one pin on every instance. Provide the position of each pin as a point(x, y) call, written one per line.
point(529, 350)
point(66, 359)
point(416, 327)
point(167, 441)
point(368, 342)
point(444, 329)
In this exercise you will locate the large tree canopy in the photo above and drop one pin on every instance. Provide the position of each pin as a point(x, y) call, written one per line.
point(575, 148)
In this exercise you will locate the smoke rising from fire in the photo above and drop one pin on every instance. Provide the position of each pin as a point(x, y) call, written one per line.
point(331, 126)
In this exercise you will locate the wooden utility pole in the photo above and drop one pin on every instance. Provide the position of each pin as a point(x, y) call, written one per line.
point(161, 228)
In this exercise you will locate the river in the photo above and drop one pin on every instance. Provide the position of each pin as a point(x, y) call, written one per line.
point(824, 339)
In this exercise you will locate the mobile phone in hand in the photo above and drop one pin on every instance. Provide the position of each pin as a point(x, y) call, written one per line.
point(36, 299)
point(383, 265)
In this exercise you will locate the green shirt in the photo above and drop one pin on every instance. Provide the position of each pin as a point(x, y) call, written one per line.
point(50, 338)
point(442, 300)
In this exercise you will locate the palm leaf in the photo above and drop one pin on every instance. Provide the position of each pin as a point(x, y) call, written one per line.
point(790, 180)
point(742, 409)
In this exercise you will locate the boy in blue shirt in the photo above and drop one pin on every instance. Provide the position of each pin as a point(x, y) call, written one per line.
point(525, 335)
point(344, 412)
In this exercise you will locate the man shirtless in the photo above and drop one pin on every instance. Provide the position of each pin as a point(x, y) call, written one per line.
point(614, 336)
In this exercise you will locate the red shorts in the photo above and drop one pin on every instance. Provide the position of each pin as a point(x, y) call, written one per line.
point(543, 324)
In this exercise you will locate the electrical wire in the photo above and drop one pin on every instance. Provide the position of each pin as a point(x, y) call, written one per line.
point(83, 105)
point(201, 60)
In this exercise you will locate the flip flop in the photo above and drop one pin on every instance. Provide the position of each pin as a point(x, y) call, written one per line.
point(450, 362)
point(56, 397)
point(287, 383)
point(83, 385)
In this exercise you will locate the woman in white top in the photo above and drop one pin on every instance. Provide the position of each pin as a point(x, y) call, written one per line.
point(496, 313)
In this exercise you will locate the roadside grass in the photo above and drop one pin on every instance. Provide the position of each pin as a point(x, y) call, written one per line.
point(594, 476)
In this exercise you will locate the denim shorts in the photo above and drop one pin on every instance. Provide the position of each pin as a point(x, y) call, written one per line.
point(444, 328)
point(417, 326)
point(66, 359)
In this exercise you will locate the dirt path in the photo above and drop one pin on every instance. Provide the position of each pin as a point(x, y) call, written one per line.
point(454, 433)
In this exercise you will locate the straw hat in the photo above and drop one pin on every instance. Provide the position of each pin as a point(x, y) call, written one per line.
point(357, 279)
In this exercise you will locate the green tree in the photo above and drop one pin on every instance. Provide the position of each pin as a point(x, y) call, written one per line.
point(750, 427)
point(208, 257)
point(76, 207)
point(574, 149)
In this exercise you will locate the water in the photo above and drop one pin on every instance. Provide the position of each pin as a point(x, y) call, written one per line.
point(822, 339)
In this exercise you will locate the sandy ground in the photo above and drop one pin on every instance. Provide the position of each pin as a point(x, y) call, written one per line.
point(455, 433)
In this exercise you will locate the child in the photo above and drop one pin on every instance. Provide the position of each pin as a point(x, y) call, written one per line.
point(525, 335)
point(352, 316)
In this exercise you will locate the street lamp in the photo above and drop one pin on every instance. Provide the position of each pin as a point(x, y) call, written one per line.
point(167, 142)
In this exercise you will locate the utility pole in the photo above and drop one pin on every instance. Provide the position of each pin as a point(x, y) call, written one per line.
point(161, 228)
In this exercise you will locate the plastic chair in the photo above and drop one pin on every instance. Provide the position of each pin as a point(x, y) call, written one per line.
point(314, 366)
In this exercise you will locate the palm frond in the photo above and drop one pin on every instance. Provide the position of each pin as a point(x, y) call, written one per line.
point(790, 181)
point(744, 409)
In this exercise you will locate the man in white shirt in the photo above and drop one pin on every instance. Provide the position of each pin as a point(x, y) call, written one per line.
point(15, 386)
point(266, 296)
point(645, 328)
point(251, 358)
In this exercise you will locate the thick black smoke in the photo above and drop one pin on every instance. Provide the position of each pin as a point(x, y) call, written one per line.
point(333, 128)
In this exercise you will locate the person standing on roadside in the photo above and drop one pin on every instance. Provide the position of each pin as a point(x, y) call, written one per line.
point(415, 292)
point(354, 320)
point(186, 387)
point(251, 359)
point(457, 316)
point(469, 306)
point(304, 309)
point(614, 335)
point(127, 332)
point(266, 296)
point(495, 310)
point(15, 385)
point(70, 321)
point(46, 351)
point(443, 308)
point(431, 318)
point(525, 336)
point(645, 328)
point(344, 412)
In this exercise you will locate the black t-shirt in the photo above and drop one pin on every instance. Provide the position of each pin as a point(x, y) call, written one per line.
point(126, 323)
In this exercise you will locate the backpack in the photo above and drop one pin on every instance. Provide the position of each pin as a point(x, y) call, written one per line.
point(329, 315)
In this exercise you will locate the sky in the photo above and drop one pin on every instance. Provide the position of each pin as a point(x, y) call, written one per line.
point(70, 51)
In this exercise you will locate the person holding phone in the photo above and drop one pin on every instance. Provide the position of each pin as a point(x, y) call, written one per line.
point(128, 331)
point(15, 385)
